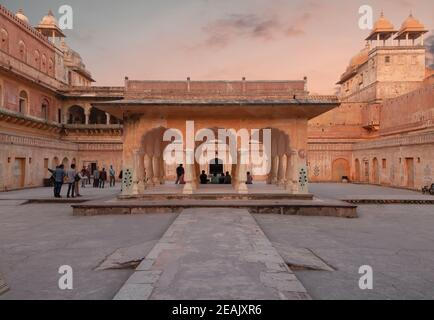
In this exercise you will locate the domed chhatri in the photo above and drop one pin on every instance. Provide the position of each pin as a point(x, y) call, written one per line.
point(361, 57)
point(20, 15)
point(412, 24)
point(383, 29)
point(49, 19)
point(49, 27)
point(412, 29)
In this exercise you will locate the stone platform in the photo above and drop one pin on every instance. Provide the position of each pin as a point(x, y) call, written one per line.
point(261, 198)
point(213, 254)
point(316, 207)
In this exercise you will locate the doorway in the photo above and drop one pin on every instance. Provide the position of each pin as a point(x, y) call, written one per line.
point(19, 173)
point(409, 166)
point(216, 166)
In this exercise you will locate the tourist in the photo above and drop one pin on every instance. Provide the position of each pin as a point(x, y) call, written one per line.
point(203, 178)
point(83, 174)
point(78, 177)
point(249, 178)
point(88, 173)
point(58, 176)
point(228, 178)
point(96, 178)
point(112, 174)
point(179, 173)
point(70, 176)
point(102, 178)
point(215, 179)
point(222, 178)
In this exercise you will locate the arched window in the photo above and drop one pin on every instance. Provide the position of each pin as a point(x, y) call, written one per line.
point(4, 40)
point(50, 65)
point(44, 63)
point(37, 57)
point(44, 109)
point(97, 116)
point(76, 115)
point(22, 51)
point(23, 102)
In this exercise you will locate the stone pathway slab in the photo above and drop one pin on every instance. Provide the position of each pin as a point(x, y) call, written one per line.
point(213, 254)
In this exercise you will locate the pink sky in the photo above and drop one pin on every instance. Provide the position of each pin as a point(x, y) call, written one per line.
point(222, 39)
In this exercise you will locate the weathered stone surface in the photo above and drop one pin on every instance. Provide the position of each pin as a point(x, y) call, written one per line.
point(301, 258)
point(214, 253)
point(126, 257)
point(3, 285)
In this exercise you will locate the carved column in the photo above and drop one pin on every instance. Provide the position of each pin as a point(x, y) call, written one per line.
point(156, 169)
point(281, 176)
point(291, 172)
point(138, 173)
point(274, 169)
point(189, 176)
point(149, 172)
point(107, 115)
point(242, 160)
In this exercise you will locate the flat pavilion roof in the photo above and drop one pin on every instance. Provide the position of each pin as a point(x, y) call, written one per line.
point(308, 106)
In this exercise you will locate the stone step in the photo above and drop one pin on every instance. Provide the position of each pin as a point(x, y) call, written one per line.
point(332, 208)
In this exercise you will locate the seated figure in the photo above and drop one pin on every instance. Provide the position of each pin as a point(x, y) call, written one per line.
point(203, 178)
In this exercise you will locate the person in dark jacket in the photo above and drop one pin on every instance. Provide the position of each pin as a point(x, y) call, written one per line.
point(228, 178)
point(203, 178)
point(102, 178)
point(179, 174)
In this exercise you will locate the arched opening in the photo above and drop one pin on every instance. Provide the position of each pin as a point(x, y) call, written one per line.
point(375, 171)
point(22, 50)
point(4, 40)
point(340, 169)
point(23, 102)
point(76, 115)
point(216, 166)
point(44, 109)
point(44, 63)
point(357, 170)
point(97, 116)
point(37, 59)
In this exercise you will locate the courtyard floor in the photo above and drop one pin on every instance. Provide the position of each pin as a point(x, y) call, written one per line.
point(397, 241)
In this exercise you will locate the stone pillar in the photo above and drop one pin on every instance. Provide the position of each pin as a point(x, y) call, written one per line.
point(156, 165)
point(149, 172)
point(242, 157)
point(138, 173)
point(86, 116)
point(281, 175)
point(107, 115)
point(274, 169)
point(162, 171)
point(189, 176)
point(292, 172)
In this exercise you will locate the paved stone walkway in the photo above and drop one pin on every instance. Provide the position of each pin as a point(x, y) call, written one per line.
point(213, 254)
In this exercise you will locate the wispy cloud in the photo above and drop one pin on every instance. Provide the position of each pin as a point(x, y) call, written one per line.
point(222, 32)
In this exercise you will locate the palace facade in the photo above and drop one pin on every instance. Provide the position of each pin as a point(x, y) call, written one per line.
point(380, 132)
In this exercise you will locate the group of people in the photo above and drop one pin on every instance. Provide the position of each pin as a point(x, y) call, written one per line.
point(72, 177)
point(215, 178)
